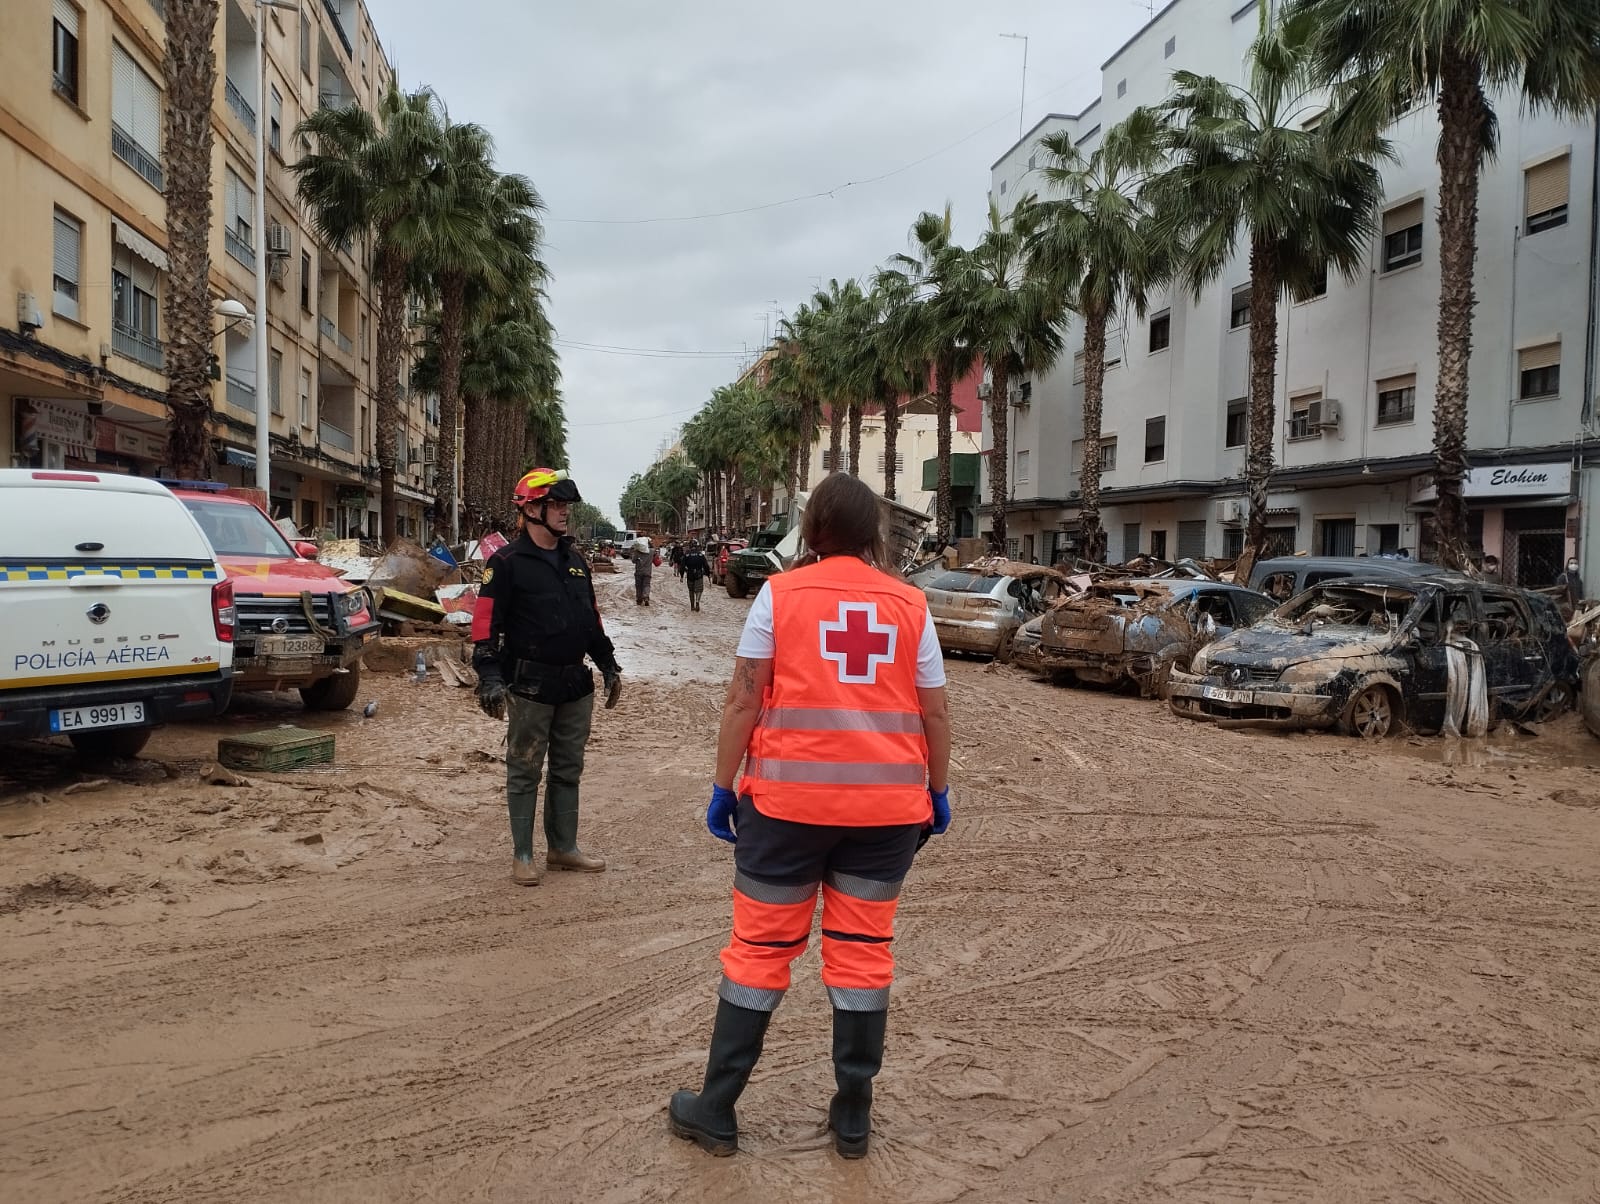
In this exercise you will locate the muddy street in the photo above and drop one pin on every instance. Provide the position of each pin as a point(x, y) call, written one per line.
point(1151, 961)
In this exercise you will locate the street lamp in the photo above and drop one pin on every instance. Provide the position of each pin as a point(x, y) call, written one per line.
point(259, 218)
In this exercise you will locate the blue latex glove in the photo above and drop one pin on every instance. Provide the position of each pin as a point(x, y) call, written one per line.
point(719, 815)
point(941, 810)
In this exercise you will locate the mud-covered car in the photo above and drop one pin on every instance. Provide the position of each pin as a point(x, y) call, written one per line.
point(1025, 646)
point(1138, 630)
point(980, 608)
point(1366, 656)
point(1284, 577)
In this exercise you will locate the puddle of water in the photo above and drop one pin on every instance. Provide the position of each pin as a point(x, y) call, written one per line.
point(1508, 749)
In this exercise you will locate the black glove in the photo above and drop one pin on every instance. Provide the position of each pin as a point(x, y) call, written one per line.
point(492, 694)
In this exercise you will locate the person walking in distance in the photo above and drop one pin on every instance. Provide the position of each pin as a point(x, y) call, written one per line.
point(695, 569)
point(1570, 583)
point(535, 621)
point(644, 565)
point(837, 707)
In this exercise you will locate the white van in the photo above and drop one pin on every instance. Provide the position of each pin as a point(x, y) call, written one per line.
point(118, 615)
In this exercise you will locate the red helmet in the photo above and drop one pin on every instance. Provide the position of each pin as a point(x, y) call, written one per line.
point(541, 484)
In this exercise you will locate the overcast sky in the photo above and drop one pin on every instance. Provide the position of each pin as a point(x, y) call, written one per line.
point(621, 110)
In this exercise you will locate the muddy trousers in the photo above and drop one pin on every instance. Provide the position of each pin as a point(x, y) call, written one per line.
point(538, 732)
point(641, 590)
point(696, 588)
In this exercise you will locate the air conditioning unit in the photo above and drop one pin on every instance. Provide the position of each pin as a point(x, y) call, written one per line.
point(415, 457)
point(1230, 511)
point(430, 453)
point(985, 391)
point(1323, 414)
point(1022, 393)
point(277, 239)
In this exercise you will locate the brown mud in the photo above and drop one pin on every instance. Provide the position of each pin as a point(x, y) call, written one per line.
point(1151, 961)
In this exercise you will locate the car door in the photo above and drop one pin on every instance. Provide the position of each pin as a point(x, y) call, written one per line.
point(1514, 655)
point(1425, 679)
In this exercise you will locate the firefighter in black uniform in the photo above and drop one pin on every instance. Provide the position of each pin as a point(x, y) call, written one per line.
point(535, 621)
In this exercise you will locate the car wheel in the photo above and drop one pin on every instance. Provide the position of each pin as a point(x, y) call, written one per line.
point(1558, 698)
point(333, 693)
point(1002, 654)
point(123, 742)
point(1370, 713)
point(735, 587)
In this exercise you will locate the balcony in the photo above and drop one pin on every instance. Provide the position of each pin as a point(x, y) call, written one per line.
point(335, 336)
point(241, 107)
point(135, 156)
point(338, 25)
point(241, 394)
point(130, 344)
point(239, 249)
point(333, 436)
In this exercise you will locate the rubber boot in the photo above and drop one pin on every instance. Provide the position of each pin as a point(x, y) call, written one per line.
point(707, 1117)
point(857, 1058)
point(524, 869)
point(561, 832)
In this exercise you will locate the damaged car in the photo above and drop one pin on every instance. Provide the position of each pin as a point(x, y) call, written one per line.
point(980, 608)
point(1366, 656)
point(1137, 631)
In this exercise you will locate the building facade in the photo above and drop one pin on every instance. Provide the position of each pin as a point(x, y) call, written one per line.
point(82, 254)
point(1357, 363)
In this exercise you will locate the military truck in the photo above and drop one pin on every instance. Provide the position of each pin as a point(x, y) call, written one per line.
point(778, 546)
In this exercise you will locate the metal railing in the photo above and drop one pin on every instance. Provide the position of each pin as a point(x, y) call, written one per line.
point(129, 343)
point(243, 109)
point(241, 394)
point(239, 249)
point(135, 156)
point(338, 25)
point(335, 436)
point(335, 335)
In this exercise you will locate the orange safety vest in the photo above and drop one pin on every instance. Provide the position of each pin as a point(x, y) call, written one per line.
point(840, 739)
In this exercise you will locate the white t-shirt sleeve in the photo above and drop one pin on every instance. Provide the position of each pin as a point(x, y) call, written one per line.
point(757, 641)
point(930, 660)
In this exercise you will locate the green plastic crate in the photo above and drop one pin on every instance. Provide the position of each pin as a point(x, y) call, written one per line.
point(276, 748)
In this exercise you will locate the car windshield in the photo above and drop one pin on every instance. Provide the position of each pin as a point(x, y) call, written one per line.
point(965, 583)
point(239, 530)
point(1374, 607)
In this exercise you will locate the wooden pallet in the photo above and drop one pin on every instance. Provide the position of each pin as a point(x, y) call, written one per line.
point(276, 748)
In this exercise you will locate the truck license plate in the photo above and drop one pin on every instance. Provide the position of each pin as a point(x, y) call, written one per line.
point(117, 714)
point(288, 645)
point(1219, 694)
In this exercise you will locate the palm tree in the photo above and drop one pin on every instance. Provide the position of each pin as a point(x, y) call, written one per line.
point(1101, 243)
point(1393, 56)
point(1244, 163)
point(190, 68)
point(1018, 313)
point(370, 176)
point(933, 323)
point(893, 375)
point(795, 368)
point(837, 357)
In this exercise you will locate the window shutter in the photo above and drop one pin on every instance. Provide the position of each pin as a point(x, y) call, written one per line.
point(1546, 356)
point(1547, 185)
point(1391, 383)
point(66, 13)
point(65, 260)
point(1403, 217)
point(146, 128)
point(123, 69)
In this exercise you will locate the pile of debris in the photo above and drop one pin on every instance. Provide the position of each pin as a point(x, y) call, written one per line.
point(417, 591)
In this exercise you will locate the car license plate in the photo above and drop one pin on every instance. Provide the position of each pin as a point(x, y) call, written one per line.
point(117, 714)
point(1219, 694)
point(288, 645)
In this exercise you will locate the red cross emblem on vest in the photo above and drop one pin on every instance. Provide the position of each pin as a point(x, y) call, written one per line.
point(858, 643)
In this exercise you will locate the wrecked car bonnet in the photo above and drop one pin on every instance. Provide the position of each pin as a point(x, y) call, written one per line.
point(1287, 644)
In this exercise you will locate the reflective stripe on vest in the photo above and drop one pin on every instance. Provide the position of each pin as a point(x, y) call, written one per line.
point(838, 773)
point(841, 719)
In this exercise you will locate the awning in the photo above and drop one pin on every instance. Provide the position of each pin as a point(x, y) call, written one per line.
point(404, 492)
point(139, 245)
point(242, 459)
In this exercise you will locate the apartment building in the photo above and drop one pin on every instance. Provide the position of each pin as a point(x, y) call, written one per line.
point(82, 253)
point(1357, 363)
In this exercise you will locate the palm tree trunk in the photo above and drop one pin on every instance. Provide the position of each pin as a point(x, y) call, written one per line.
point(891, 440)
point(1091, 533)
point(191, 75)
point(807, 434)
point(944, 408)
point(452, 333)
point(1264, 287)
point(791, 471)
point(476, 438)
point(836, 418)
point(999, 462)
point(1464, 117)
point(856, 409)
point(391, 317)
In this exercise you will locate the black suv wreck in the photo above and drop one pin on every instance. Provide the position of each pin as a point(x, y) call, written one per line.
point(1365, 655)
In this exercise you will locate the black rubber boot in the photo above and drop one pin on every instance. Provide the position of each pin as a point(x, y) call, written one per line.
point(857, 1057)
point(707, 1117)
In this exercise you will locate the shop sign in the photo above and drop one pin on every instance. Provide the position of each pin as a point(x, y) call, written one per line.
point(74, 428)
point(1505, 480)
point(352, 495)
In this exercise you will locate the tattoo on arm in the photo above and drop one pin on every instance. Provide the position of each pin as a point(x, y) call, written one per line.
point(746, 677)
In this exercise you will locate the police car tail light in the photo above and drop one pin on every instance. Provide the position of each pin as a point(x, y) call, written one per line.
point(223, 613)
